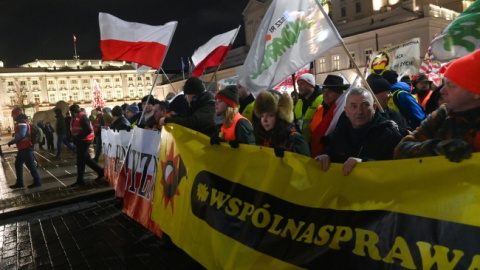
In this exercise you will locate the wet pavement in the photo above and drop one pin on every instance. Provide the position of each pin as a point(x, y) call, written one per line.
point(57, 227)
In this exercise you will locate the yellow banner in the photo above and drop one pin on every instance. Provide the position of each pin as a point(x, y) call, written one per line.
point(247, 209)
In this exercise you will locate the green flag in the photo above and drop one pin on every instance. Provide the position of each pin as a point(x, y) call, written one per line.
point(461, 37)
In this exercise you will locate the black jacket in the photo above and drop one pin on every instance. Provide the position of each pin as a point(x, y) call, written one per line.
point(121, 123)
point(199, 116)
point(374, 141)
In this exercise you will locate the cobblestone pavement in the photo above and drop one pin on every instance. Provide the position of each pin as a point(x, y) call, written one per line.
point(57, 227)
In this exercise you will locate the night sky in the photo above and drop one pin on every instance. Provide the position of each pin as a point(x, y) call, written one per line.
point(31, 29)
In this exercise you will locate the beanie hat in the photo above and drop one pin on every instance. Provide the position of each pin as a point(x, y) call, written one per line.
point(178, 104)
point(107, 110)
point(193, 86)
point(378, 84)
point(307, 77)
point(117, 111)
point(391, 76)
point(22, 117)
point(74, 108)
point(275, 103)
point(229, 95)
point(16, 112)
point(406, 79)
point(463, 72)
point(133, 108)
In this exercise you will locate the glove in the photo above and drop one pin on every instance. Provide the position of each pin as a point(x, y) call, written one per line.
point(128, 128)
point(454, 150)
point(279, 151)
point(233, 144)
point(215, 140)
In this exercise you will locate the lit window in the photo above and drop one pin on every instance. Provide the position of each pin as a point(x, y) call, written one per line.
point(51, 98)
point(321, 65)
point(336, 62)
point(350, 62)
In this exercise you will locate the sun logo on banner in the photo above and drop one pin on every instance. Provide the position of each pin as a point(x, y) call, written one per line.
point(380, 63)
point(173, 170)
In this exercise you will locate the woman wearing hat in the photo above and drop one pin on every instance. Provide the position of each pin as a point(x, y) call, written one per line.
point(232, 126)
point(276, 128)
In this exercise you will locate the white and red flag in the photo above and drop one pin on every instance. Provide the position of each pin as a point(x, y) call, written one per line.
point(213, 52)
point(143, 44)
point(74, 38)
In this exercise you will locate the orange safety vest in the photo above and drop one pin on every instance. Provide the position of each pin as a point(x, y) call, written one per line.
point(76, 126)
point(25, 142)
point(423, 102)
point(228, 133)
point(319, 130)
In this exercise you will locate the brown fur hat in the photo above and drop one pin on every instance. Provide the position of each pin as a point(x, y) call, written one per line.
point(273, 102)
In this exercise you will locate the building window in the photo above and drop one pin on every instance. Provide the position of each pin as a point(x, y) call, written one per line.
point(51, 98)
point(50, 82)
point(22, 83)
point(130, 79)
point(117, 80)
point(132, 93)
point(37, 98)
point(107, 80)
point(86, 95)
point(321, 65)
point(350, 62)
point(358, 7)
point(343, 11)
point(85, 81)
point(119, 94)
point(35, 82)
point(140, 92)
point(147, 78)
point(75, 96)
point(12, 100)
point(336, 62)
point(10, 83)
point(109, 94)
point(368, 52)
point(64, 97)
point(74, 81)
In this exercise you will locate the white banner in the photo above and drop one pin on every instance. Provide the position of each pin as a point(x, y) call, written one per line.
point(292, 34)
point(404, 58)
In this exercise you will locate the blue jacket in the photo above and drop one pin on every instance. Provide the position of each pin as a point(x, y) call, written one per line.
point(407, 105)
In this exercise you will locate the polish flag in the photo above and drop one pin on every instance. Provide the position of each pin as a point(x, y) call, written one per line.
point(134, 42)
point(213, 52)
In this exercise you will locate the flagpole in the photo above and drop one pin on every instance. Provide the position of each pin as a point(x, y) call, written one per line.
point(363, 78)
point(75, 47)
point(231, 42)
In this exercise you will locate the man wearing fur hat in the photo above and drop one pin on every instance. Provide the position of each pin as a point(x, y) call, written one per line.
point(361, 134)
point(275, 128)
point(232, 126)
point(310, 98)
point(422, 89)
point(453, 130)
point(333, 88)
point(201, 111)
point(22, 131)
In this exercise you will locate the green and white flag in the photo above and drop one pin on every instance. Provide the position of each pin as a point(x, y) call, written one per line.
point(461, 37)
point(291, 35)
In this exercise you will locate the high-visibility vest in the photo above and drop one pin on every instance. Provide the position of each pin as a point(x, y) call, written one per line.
point(248, 111)
point(25, 142)
point(303, 120)
point(76, 126)
point(228, 133)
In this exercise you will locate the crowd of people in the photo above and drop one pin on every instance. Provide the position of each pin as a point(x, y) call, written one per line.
point(392, 118)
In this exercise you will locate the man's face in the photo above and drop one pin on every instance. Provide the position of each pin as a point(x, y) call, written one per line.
point(129, 114)
point(147, 107)
point(383, 98)
point(157, 112)
point(329, 96)
point(304, 88)
point(242, 91)
point(189, 98)
point(422, 87)
point(457, 98)
point(360, 109)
